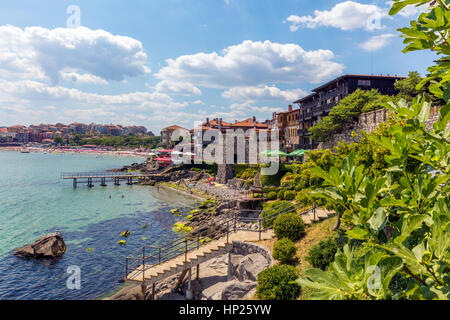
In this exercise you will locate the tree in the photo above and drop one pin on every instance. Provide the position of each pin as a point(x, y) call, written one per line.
point(58, 140)
point(346, 112)
point(400, 216)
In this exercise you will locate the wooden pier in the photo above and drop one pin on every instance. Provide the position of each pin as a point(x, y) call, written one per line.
point(89, 178)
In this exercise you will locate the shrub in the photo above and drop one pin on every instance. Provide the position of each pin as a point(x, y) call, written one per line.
point(289, 225)
point(304, 197)
point(280, 194)
point(284, 250)
point(289, 195)
point(322, 254)
point(271, 208)
point(270, 189)
point(276, 283)
point(271, 195)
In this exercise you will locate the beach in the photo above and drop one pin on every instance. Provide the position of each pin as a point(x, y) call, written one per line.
point(124, 153)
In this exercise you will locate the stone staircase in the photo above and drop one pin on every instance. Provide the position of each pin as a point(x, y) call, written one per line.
point(176, 265)
point(187, 252)
point(315, 216)
point(155, 273)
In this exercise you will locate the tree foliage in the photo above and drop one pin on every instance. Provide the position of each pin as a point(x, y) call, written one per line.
point(400, 214)
point(347, 111)
point(130, 141)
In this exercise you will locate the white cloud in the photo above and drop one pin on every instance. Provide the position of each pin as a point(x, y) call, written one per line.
point(346, 15)
point(38, 53)
point(263, 93)
point(377, 42)
point(252, 63)
point(32, 101)
point(81, 78)
point(184, 88)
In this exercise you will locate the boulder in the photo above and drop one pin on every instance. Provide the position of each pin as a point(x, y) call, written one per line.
point(49, 246)
point(128, 293)
point(236, 290)
point(249, 267)
point(230, 290)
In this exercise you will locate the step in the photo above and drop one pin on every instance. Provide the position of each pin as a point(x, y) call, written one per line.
point(173, 265)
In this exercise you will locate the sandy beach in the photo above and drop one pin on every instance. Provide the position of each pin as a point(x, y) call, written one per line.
point(124, 153)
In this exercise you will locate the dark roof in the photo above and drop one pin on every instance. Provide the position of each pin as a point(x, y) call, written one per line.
point(346, 76)
point(306, 98)
point(357, 76)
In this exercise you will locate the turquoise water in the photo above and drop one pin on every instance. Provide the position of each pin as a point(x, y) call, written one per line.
point(34, 201)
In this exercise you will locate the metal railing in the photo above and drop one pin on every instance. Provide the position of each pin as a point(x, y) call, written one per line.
point(148, 257)
point(109, 174)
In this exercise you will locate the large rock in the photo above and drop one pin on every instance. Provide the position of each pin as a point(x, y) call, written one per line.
point(230, 290)
point(49, 246)
point(249, 267)
point(128, 293)
point(236, 290)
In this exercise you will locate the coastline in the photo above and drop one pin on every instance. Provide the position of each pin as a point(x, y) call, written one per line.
point(122, 153)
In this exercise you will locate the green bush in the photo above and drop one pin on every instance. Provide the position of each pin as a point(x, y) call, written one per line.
point(289, 195)
point(271, 196)
point(274, 179)
point(284, 250)
point(245, 171)
point(270, 189)
point(271, 208)
point(276, 283)
point(322, 254)
point(289, 225)
point(304, 197)
point(280, 194)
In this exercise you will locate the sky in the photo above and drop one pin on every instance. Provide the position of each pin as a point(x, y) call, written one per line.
point(159, 63)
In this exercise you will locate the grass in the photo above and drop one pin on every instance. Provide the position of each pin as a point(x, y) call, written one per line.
point(313, 235)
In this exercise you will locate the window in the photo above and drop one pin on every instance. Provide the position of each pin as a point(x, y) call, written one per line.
point(363, 83)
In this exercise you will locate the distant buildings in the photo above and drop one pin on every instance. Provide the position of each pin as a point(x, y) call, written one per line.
point(45, 133)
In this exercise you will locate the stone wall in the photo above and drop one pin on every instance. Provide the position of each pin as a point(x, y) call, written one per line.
point(368, 122)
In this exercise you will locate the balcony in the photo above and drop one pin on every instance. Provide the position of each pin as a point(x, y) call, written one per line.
point(318, 110)
point(303, 132)
point(309, 146)
point(308, 115)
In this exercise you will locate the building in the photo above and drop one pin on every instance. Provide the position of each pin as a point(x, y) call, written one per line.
point(318, 104)
point(166, 135)
point(288, 126)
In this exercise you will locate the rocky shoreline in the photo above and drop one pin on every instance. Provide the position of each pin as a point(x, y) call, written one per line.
point(227, 277)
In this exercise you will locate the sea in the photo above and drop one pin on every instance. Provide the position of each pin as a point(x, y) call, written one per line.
point(35, 201)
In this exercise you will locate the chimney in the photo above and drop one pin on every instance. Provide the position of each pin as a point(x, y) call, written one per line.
point(235, 121)
point(207, 121)
point(254, 119)
point(290, 107)
point(220, 123)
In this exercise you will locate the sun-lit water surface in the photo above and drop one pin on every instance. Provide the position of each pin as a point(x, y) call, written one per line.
point(34, 201)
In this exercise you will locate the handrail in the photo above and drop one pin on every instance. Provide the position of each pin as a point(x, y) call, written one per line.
point(197, 238)
point(99, 174)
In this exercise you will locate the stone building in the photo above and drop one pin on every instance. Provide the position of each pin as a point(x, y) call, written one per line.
point(325, 97)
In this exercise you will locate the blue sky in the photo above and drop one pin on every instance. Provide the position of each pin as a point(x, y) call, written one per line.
point(158, 63)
